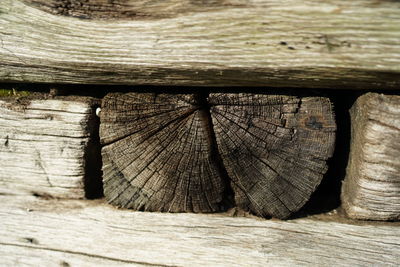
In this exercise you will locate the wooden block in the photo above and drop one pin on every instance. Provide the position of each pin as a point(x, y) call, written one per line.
point(371, 189)
point(48, 147)
point(292, 43)
point(204, 153)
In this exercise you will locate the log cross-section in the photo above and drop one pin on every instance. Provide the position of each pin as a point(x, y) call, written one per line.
point(199, 153)
point(156, 154)
point(273, 147)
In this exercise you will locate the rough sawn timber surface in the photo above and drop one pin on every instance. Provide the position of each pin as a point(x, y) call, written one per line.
point(194, 153)
point(295, 43)
point(371, 189)
point(45, 145)
point(38, 232)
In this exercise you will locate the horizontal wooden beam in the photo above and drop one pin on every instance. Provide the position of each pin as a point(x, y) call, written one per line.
point(314, 44)
point(40, 232)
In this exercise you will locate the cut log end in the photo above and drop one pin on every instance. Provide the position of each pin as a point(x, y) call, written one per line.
point(190, 153)
point(274, 148)
point(157, 155)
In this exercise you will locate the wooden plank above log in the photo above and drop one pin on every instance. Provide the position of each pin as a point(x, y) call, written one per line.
point(314, 44)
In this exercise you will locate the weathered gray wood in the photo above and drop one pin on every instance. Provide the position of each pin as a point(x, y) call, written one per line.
point(34, 231)
point(20, 255)
point(195, 153)
point(156, 154)
point(371, 189)
point(296, 43)
point(45, 145)
point(274, 148)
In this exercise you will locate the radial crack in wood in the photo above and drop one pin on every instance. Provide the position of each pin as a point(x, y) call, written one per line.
point(186, 153)
point(274, 148)
point(157, 154)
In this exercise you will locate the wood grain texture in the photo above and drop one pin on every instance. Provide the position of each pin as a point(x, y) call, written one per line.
point(194, 152)
point(44, 145)
point(274, 148)
point(314, 44)
point(131, 9)
point(156, 155)
point(371, 189)
point(37, 231)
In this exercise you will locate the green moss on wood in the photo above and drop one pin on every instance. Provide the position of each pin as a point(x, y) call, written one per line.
point(13, 92)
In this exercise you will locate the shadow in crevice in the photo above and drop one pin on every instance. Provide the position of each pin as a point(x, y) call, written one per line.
point(228, 201)
point(93, 183)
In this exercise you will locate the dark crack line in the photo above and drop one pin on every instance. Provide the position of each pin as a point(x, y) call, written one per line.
point(39, 163)
point(86, 255)
point(381, 123)
point(11, 52)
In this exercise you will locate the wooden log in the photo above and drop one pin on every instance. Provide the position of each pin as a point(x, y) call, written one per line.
point(48, 147)
point(41, 232)
point(194, 153)
point(294, 43)
point(273, 147)
point(371, 189)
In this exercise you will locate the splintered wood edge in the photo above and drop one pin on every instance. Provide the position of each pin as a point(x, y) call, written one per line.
point(352, 44)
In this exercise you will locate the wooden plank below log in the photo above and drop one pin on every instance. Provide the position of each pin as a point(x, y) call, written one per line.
point(36, 230)
point(45, 145)
point(294, 43)
point(371, 189)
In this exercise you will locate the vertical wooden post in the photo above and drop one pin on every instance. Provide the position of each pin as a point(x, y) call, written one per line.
point(371, 189)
